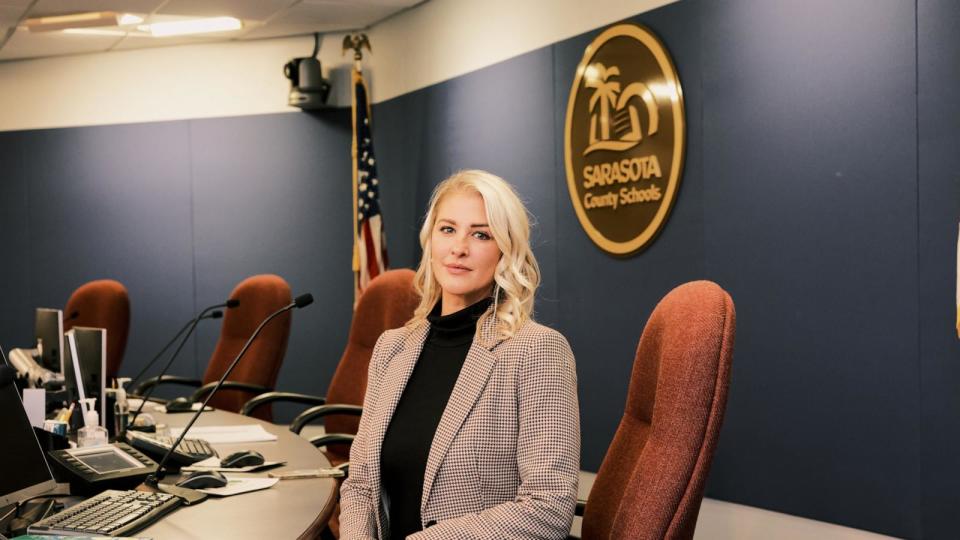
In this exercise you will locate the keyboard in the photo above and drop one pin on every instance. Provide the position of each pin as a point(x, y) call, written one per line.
point(189, 452)
point(111, 513)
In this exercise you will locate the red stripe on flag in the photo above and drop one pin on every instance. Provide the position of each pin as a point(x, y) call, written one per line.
point(383, 244)
point(373, 269)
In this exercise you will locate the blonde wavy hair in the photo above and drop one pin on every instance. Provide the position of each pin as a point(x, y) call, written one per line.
point(517, 275)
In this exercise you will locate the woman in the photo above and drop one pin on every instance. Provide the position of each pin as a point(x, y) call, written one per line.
point(470, 425)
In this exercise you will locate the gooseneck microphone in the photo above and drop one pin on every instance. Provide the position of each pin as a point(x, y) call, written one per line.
point(207, 313)
point(190, 495)
point(215, 315)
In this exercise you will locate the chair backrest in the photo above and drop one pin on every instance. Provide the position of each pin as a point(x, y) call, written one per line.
point(259, 296)
point(651, 482)
point(388, 302)
point(103, 303)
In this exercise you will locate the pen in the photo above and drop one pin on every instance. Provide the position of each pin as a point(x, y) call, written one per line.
point(67, 413)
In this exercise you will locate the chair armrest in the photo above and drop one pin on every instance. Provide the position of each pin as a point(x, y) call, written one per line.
point(319, 411)
point(578, 511)
point(332, 438)
point(202, 392)
point(167, 379)
point(270, 397)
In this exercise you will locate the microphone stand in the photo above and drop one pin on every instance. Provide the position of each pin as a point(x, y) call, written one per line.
point(229, 304)
point(191, 496)
point(136, 379)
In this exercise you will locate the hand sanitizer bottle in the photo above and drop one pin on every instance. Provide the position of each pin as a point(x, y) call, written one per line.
point(121, 409)
point(91, 434)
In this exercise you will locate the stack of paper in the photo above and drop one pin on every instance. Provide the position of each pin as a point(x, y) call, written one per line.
point(246, 433)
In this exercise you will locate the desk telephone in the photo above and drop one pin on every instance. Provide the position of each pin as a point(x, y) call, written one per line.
point(96, 468)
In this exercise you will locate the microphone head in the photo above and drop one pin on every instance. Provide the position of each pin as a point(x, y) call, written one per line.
point(232, 303)
point(303, 300)
point(216, 314)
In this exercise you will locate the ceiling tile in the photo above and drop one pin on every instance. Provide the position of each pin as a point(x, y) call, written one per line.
point(347, 16)
point(255, 10)
point(134, 42)
point(9, 16)
point(282, 29)
point(394, 4)
point(264, 18)
point(60, 7)
point(23, 44)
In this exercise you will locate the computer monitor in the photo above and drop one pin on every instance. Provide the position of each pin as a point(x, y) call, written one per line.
point(24, 472)
point(48, 331)
point(91, 344)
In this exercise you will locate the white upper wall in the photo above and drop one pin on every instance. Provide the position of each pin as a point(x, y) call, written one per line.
point(442, 39)
point(170, 83)
point(436, 41)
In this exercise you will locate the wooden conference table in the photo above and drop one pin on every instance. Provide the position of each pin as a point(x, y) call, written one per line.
point(289, 509)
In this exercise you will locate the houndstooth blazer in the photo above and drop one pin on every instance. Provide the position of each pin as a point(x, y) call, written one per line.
point(505, 458)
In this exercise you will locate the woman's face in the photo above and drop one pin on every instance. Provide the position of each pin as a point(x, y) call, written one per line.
point(464, 254)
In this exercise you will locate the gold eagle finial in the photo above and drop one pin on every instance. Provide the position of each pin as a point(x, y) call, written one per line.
point(356, 42)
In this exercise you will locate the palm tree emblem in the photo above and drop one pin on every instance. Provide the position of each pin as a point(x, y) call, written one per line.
point(625, 123)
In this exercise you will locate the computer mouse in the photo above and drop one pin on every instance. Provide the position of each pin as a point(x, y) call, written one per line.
point(245, 458)
point(203, 479)
point(180, 404)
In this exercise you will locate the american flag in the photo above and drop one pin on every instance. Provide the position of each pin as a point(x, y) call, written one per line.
point(369, 241)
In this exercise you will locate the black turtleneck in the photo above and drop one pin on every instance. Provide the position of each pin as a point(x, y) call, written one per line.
point(406, 444)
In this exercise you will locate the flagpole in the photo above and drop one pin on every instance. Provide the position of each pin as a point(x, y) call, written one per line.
point(353, 154)
point(356, 42)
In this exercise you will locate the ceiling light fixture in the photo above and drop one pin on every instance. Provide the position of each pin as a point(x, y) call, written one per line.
point(128, 18)
point(94, 32)
point(91, 19)
point(192, 26)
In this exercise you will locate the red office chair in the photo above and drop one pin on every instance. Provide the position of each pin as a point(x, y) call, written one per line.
point(388, 302)
point(257, 372)
point(651, 482)
point(102, 304)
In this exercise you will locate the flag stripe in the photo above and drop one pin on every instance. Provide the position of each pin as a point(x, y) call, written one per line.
point(370, 247)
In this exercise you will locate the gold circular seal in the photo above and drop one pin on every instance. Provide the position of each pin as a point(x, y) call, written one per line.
point(624, 139)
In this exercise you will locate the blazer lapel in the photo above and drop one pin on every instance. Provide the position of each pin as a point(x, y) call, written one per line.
point(395, 379)
point(476, 370)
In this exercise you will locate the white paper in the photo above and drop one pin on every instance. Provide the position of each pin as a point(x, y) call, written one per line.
point(238, 485)
point(35, 402)
point(247, 433)
point(213, 464)
point(134, 403)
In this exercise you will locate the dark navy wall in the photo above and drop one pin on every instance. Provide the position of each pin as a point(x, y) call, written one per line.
point(938, 107)
point(820, 189)
point(98, 202)
point(180, 212)
point(810, 152)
